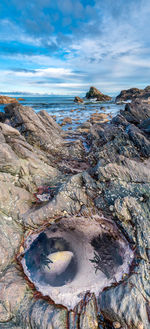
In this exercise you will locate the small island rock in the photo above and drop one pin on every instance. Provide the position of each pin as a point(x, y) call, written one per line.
point(95, 93)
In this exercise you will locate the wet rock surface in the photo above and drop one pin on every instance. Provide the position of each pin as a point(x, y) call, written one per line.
point(110, 180)
point(77, 99)
point(132, 93)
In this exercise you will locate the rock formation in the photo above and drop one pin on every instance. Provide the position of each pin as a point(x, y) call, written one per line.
point(66, 120)
point(7, 100)
point(77, 99)
point(95, 93)
point(21, 99)
point(133, 93)
point(35, 153)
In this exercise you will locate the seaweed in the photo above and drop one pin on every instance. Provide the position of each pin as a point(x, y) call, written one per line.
point(106, 254)
point(96, 260)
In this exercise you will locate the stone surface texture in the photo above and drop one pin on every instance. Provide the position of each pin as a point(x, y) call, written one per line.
point(95, 93)
point(116, 183)
point(78, 99)
point(133, 93)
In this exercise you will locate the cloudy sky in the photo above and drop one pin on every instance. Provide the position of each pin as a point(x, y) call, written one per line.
point(65, 46)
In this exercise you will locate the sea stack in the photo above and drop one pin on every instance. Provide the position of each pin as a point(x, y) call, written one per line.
point(95, 93)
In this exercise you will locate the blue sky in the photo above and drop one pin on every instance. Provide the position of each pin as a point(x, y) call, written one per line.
point(65, 46)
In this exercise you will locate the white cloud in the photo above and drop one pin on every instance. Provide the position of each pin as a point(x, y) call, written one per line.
point(47, 73)
point(111, 51)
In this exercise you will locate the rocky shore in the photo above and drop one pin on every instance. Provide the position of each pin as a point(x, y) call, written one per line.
point(133, 93)
point(109, 179)
point(7, 100)
point(95, 93)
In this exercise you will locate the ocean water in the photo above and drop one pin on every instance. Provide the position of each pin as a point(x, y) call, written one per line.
point(64, 106)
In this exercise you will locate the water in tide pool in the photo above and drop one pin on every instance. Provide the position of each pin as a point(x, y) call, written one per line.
point(64, 106)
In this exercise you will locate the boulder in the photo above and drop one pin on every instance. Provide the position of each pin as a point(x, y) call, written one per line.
point(77, 99)
point(95, 93)
point(66, 121)
point(136, 112)
point(98, 118)
point(42, 133)
point(38, 129)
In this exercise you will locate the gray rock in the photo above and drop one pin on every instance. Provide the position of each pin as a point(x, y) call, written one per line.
point(139, 140)
point(136, 112)
point(145, 126)
point(133, 93)
point(32, 148)
point(95, 93)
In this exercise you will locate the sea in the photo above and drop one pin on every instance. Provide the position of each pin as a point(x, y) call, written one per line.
point(61, 107)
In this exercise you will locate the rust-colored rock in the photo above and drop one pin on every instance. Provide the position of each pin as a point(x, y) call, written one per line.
point(66, 120)
point(7, 100)
point(77, 99)
point(98, 118)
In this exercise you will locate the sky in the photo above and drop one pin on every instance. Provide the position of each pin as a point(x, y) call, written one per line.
point(63, 47)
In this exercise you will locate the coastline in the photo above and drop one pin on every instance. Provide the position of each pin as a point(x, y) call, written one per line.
point(61, 107)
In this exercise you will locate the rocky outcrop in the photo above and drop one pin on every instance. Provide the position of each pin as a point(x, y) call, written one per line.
point(95, 93)
point(42, 133)
point(7, 100)
point(77, 99)
point(116, 186)
point(123, 175)
point(21, 99)
point(133, 93)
